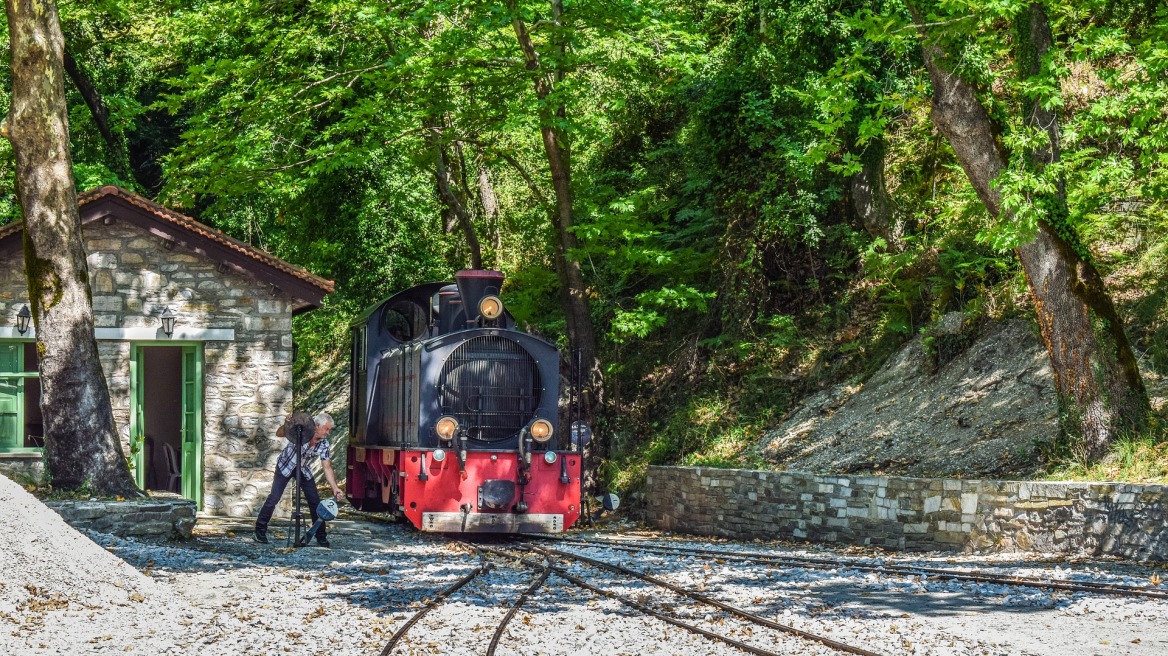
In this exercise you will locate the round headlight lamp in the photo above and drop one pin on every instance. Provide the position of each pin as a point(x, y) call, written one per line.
point(439, 455)
point(541, 430)
point(491, 307)
point(446, 427)
point(549, 457)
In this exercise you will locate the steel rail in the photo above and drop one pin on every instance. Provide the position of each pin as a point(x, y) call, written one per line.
point(433, 603)
point(697, 596)
point(669, 619)
point(515, 608)
point(808, 562)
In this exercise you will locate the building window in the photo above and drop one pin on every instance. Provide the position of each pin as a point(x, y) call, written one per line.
point(21, 423)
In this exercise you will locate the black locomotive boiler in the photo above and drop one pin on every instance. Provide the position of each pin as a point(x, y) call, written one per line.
point(454, 414)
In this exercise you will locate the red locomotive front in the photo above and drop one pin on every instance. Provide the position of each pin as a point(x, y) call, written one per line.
point(455, 419)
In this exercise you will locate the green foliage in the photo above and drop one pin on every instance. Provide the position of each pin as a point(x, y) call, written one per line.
point(712, 147)
point(1137, 458)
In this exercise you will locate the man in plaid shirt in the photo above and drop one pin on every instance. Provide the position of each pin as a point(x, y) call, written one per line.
point(317, 447)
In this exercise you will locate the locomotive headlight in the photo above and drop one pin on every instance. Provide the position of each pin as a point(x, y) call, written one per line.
point(549, 457)
point(446, 427)
point(491, 307)
point(438, 455)
point(541, 430)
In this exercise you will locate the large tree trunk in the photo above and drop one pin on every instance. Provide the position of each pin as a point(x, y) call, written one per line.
point(870, 197)
point(573, 293)
point(489, 204)
point(1101, 393)
point(81, 443)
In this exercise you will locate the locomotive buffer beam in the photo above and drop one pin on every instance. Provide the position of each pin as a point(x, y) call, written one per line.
point(457, 522)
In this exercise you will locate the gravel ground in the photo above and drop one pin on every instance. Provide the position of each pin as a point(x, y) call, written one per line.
point(221, 593)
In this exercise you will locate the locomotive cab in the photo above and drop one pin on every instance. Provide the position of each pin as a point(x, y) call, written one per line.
point(454, 414)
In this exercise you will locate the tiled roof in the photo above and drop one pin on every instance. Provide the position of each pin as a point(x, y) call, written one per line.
point(187, 222)
point(167, 215)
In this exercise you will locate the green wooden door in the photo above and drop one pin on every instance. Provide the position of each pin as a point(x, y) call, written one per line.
point(137, 415)
point(192, 424)
point(11, 397)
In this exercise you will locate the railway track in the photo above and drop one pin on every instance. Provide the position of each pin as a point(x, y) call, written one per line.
point(808, 562)
point(551, 554)
point(483, 568)
point(549, 567)
point(519, 601)
point(547, 558)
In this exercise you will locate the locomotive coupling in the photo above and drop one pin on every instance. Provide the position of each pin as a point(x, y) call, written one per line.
point(496, 494)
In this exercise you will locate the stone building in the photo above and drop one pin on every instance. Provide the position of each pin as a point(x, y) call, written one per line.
point(197, 407)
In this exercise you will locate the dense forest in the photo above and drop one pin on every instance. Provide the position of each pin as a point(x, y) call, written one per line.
point(724, 205)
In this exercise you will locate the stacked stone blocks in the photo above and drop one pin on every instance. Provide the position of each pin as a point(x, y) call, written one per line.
point(247, 384)
point(901, 513)
point(162, 516)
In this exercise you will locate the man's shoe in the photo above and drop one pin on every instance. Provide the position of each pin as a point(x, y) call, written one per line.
point(323, 542)
point(261, 536)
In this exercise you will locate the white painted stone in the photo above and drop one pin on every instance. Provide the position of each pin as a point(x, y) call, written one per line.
point(932, 504)
point(102, 261)
point(969, 503)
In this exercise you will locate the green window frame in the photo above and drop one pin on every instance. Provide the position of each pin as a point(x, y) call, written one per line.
point(14, 381)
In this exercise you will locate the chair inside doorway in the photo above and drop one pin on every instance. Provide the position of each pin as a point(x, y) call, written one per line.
point(162, 415)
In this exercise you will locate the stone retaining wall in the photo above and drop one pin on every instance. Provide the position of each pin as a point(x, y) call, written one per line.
point(161, 516)
point(1117, 519)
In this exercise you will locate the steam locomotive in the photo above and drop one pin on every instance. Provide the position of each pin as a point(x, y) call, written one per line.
point(455, 415)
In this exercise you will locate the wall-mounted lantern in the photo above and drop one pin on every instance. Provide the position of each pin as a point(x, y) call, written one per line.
point(168, 319)
point(22, 319)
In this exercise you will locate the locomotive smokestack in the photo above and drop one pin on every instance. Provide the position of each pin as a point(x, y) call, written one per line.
point(473, 285)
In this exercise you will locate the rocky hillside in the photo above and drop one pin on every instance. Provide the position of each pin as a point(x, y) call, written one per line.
point(324, 387)
point(956, 401)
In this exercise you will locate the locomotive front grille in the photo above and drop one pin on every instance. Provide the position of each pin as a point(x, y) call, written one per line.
point(491, 385)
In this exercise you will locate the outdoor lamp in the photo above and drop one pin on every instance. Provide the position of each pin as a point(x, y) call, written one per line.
point(22, 319)
point(168, 322)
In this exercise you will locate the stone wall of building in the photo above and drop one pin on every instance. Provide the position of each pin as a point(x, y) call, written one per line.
point(247, 382)
point(1094, 519)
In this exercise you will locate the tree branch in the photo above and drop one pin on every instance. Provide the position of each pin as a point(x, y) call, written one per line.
point(91, 97)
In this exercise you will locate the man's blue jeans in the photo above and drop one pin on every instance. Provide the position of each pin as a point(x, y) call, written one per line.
point(281, 481)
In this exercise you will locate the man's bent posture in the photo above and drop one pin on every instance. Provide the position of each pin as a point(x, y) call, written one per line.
point(317, 447)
